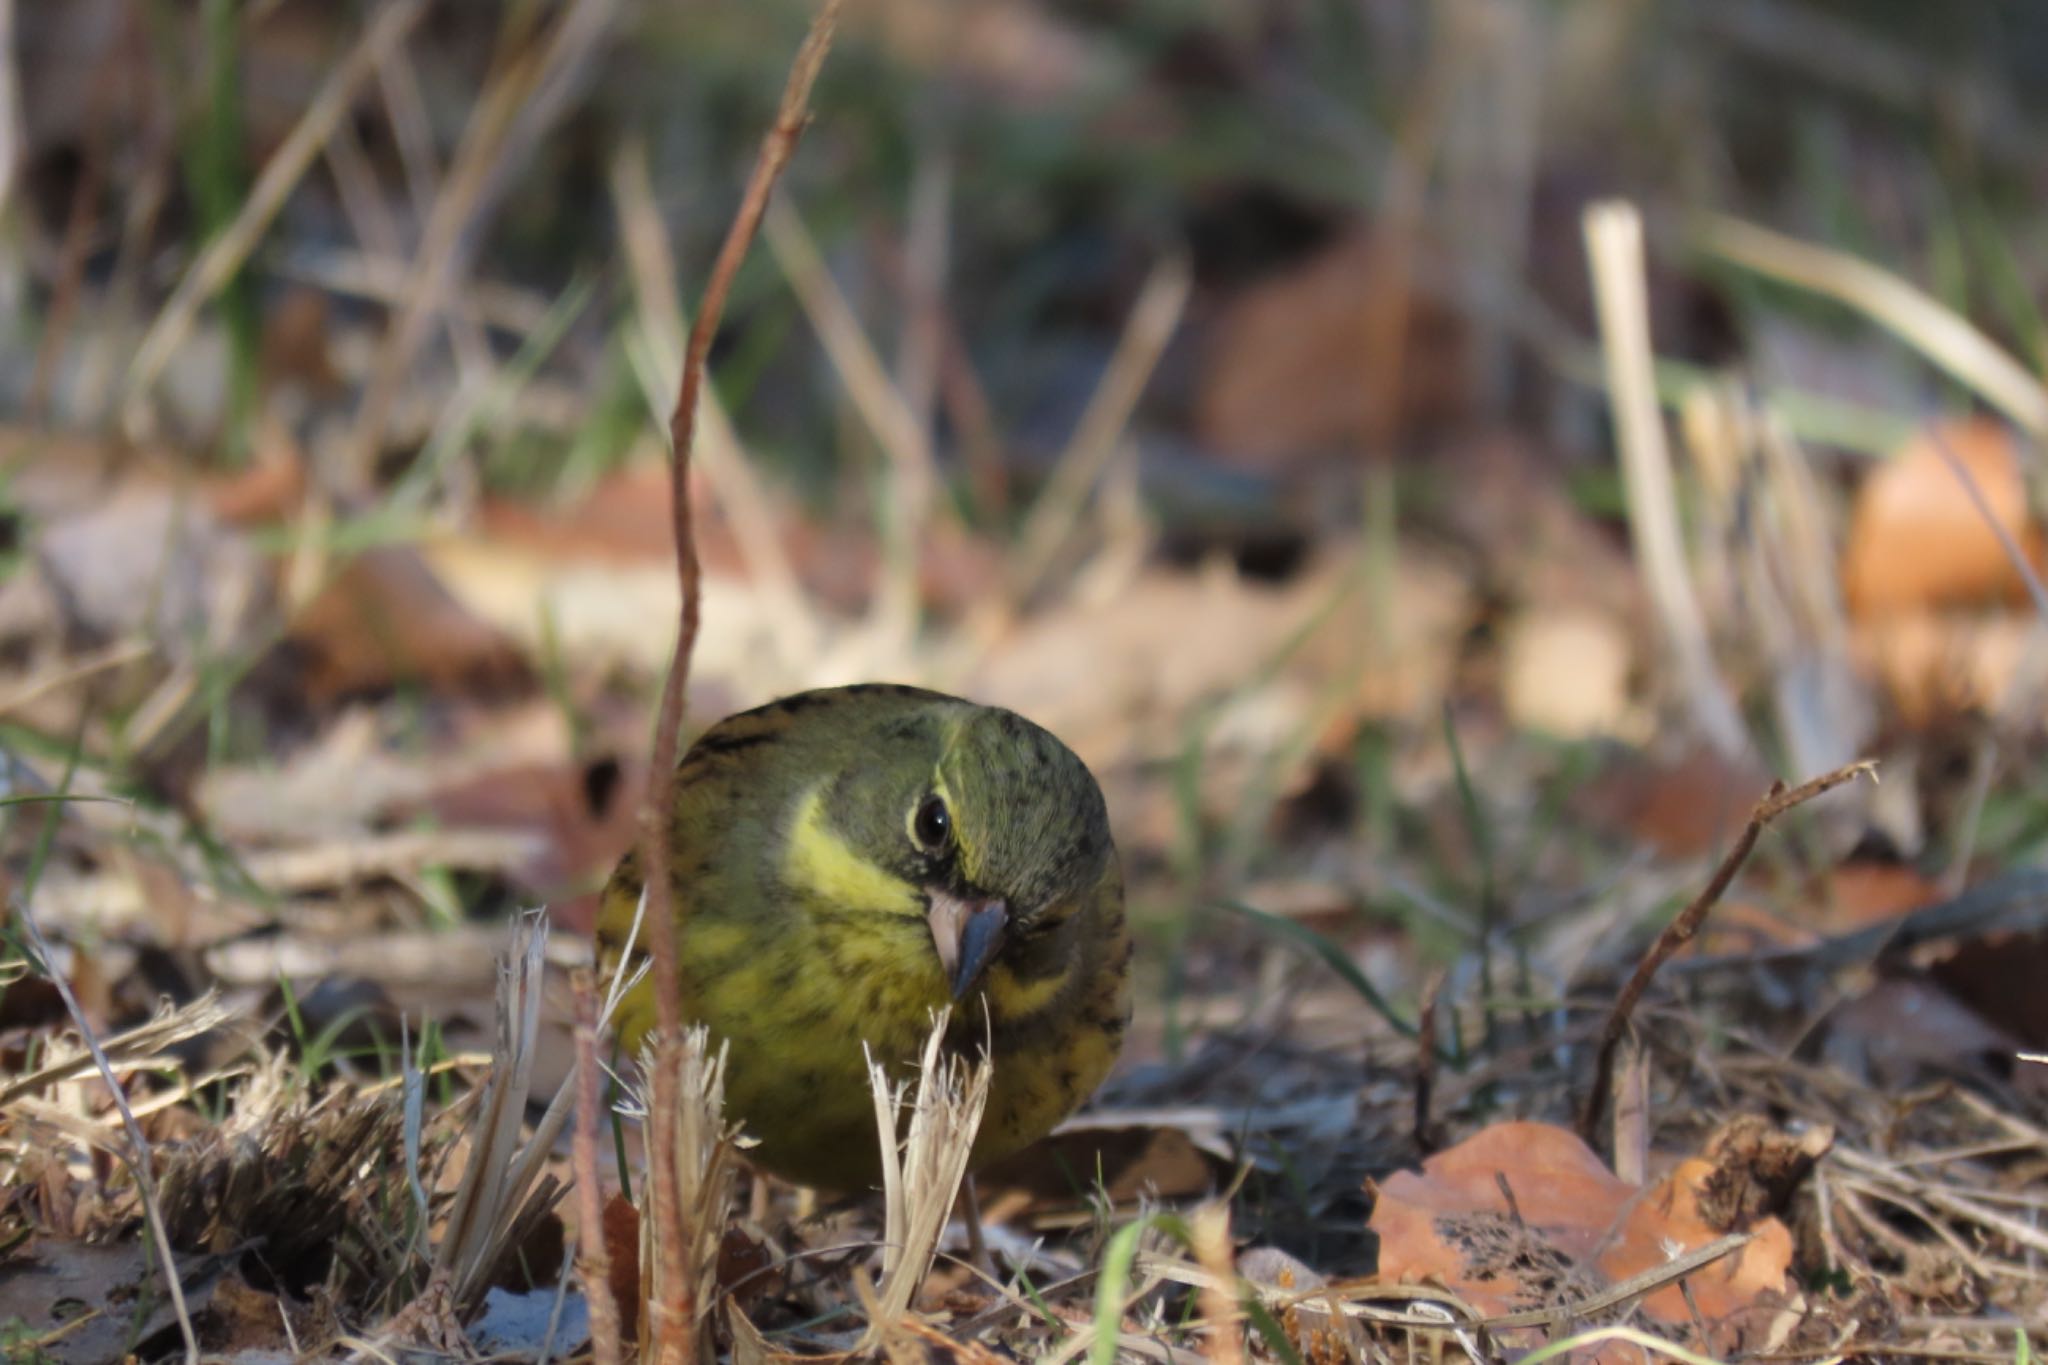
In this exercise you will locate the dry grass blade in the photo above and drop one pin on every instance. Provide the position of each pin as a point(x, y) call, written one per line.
point(704, 1149)
point(224, 255)
point(921, 1176)
point(136, 1154)
point(1925, 323)
point(593, 1259)
point(137, 1047)
point(1614, 245)
point(499, 1192)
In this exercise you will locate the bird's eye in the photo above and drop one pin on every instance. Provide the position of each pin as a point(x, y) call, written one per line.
point(932, 824)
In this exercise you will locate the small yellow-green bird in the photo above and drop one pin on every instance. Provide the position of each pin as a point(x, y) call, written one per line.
point(847, 861)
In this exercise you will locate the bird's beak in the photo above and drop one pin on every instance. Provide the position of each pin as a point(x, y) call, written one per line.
point(967, 934)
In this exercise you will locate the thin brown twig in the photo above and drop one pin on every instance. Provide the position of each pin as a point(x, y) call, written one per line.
point(671, 1313)
point(1682, 929)
point(776, 151)
point(593, 1256)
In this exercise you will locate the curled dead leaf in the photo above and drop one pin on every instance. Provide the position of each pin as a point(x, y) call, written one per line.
point(1917, 537)
point(1524, 1215)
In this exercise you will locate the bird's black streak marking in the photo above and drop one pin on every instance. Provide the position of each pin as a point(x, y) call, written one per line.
point(730, 744)
point(889, 690)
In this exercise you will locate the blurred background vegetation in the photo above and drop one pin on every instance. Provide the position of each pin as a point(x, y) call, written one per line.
point(1220, 382)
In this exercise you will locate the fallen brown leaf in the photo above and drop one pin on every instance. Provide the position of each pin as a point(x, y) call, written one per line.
point(1684, 806)
point(1524, 1215)
point(1918, 539)
point(1283, 374)
point(387, 619)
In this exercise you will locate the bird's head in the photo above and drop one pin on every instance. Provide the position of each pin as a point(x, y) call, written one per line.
point(997, 825)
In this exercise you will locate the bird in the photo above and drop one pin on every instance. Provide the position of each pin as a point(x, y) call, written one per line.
point(848, 861)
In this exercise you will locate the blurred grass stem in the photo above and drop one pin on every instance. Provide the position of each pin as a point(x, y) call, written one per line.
point(137, 1152)
point(884, 410)
point(1153, 320)
point(227, 251)
point(1941, 335)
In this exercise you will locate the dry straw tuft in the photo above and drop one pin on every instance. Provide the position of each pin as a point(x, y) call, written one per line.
point(704, 1147)
point(504, 1191)
point(921, 1174)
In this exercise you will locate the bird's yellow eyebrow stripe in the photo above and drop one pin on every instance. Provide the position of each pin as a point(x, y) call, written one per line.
point(817, 861)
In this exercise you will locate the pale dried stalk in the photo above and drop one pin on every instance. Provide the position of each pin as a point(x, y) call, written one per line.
point(1614, 245)
point(660, 331)
point(594, 1266)
point(501, 1185)
point(921, 1174)
point(1209, 1235)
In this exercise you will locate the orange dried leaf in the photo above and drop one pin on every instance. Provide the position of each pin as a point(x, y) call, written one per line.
point(1918, 539)
point(1573, 1228)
